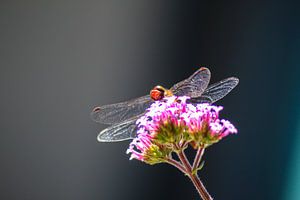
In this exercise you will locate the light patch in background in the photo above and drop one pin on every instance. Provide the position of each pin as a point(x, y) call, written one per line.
point(291, 186)
point(292, 191)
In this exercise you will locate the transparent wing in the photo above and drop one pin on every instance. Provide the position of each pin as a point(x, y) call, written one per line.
point(193, 86)
point(217, 91)
point(119, 132)
point(118, 112)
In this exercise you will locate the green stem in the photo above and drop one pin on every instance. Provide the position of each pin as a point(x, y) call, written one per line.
point(176, 164)
point(198, 158)
point(200, 187)
point(193, 176)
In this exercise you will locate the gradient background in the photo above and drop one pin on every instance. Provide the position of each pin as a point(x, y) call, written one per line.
point(59, 59)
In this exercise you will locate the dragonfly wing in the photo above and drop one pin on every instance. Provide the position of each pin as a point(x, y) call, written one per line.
point(119, 132)
point(217, 91)
point(193, 86)
point(118, 112)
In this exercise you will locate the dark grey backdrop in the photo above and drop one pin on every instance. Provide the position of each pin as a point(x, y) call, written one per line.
point(59, 59)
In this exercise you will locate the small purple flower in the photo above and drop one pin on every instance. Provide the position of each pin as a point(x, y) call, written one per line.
point(142, 143)
point(171, 122)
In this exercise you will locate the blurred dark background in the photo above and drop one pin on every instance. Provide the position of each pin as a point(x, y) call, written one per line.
point(59, 59)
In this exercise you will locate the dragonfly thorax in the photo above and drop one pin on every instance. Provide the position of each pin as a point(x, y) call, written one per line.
point(159, 92)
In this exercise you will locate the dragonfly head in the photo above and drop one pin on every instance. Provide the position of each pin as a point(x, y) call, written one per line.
point(159, 92)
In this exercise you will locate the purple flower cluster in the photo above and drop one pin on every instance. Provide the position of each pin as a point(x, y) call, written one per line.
point(205, 118)
point(174, 121)
point(140, 145)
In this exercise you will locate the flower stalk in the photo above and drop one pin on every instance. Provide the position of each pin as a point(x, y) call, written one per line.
point(193, 176)
point(200, 187)
point(197, 159)
point(176, 164)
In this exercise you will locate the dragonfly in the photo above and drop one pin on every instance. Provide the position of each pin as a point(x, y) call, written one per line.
point(122, 116)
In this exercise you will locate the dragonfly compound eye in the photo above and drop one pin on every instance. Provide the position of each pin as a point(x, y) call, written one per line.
point(157, 93)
